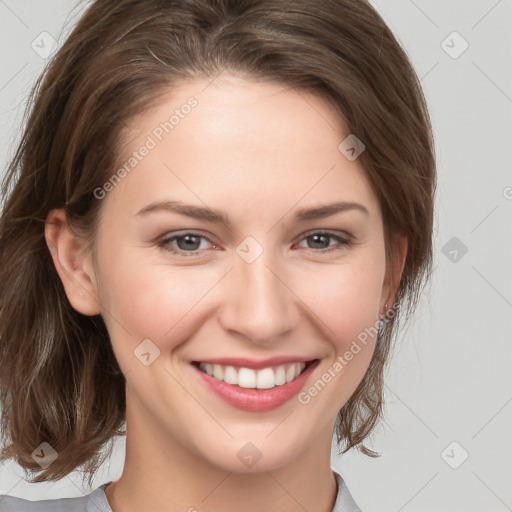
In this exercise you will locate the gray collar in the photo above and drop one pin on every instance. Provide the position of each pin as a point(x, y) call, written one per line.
point(97, 500)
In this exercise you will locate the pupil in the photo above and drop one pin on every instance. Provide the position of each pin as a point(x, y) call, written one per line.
point(316, 237)
point(189, 239)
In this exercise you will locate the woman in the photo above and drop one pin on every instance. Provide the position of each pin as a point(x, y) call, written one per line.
point(216, 213)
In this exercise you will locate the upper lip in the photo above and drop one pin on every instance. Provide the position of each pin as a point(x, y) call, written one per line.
point(244, 362)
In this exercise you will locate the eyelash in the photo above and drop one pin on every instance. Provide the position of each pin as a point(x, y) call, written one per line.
point(165, 243)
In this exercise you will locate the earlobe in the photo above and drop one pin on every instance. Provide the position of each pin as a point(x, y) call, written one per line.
point(393, 276)
point(71, 263)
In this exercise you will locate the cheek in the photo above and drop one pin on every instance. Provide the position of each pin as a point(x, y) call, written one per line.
point(345, 298)
point(163, 303)
point(346, 302)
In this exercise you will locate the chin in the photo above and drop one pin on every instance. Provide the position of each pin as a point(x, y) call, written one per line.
point(257, 453)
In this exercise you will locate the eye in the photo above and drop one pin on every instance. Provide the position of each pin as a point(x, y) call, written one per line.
point(188, 244)
point(320, 238)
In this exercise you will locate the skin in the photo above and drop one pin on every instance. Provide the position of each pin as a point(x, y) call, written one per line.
point(258, 151)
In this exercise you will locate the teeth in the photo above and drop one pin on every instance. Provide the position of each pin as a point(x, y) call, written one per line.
point(230, 375)
point(290, 373)
point(218, 372)
point(246, 378)
point(280, 376)
point(266, 378)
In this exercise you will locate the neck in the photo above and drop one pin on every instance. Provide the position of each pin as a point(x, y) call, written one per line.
point(162, 474)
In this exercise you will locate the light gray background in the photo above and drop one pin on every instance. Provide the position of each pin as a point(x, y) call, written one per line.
point(450, 379)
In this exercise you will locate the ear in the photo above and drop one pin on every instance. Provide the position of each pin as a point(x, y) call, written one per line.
point(394, 274)
point(73, 263)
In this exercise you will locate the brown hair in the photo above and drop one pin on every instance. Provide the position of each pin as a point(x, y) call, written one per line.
point(60, 382)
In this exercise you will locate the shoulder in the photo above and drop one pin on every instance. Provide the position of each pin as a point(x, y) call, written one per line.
point(12, 504)
point(344, 500)
point(94, 502)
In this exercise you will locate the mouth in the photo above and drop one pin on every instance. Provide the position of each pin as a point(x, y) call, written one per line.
point(250, 378)
point(266, 386)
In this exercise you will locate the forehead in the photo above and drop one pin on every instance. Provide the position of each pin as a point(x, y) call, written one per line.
point(257, 140)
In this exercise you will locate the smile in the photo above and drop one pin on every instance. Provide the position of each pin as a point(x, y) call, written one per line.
point(267, 385)
point(265, 378)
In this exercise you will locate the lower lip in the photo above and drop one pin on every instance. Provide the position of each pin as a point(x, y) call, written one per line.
point(257, 400)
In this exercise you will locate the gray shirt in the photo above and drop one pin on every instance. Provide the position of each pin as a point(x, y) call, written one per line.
point(96, 501)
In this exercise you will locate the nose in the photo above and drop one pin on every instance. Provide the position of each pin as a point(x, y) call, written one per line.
point(259, 305)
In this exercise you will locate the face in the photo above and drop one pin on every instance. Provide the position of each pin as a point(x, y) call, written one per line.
point(267, 291)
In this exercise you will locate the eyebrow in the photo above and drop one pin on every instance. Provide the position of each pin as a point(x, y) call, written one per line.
point(216, 216)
